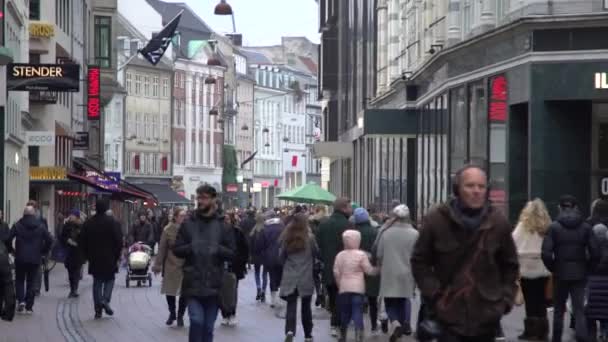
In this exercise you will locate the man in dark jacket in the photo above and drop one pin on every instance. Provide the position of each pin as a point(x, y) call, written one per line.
point(142, 231)
point(465, 262)
point(206, 245)
point(329, 240)
point(101, 241)
point(268, 245)
point(568, 249)
point(32, 242)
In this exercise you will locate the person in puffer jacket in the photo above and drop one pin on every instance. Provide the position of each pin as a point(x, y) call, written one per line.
point(350, 268)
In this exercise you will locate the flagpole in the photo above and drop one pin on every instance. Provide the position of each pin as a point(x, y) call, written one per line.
point(127, 62)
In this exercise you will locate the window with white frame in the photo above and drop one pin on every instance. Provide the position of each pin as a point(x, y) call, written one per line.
point(146, 86)
point(165, 87)
point(155, 87)
point(139, 125)
point(165, 130)
point(138, 84)
point(129, 84)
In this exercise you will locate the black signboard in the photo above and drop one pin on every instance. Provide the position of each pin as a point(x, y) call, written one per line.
point(81, 141)
point(45, 77)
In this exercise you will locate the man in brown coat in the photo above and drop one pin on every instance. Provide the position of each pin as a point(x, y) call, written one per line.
point(465, 262)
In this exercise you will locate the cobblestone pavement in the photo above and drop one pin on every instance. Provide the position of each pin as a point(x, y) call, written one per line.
point(140, 314)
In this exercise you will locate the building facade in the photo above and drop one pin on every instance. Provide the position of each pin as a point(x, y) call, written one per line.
point(244, 125)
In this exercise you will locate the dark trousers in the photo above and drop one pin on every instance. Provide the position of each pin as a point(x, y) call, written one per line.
point(181, 306)
point(534, 296)
point(260, 271)
point(351, 308)
point(203, 313)
point(373, 311)
point(74, 272)
point(449, 337)
point(231, 313)
point(576, 291)
point(332, 295)
point(25, 283)
point(398, 309)
point(291, 314)
point(275, 273)
point(102, 292)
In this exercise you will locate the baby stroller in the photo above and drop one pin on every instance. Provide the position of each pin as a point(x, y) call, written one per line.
point(138, 264)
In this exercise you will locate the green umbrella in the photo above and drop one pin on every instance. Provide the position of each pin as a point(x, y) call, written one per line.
point(309, 193)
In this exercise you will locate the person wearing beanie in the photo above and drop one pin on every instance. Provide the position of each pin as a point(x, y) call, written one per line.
point(70, 237)
point(101, 242)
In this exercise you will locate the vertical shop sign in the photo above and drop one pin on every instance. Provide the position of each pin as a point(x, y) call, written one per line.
point(93, 81)
point(498, 99)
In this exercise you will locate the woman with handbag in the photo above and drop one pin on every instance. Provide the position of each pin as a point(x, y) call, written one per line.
point(534, 221)
point(171, 268)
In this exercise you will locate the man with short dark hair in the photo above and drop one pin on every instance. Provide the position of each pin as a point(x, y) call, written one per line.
point(329, 240)
point(465, 262)
point(205, 245)
point(567, 251)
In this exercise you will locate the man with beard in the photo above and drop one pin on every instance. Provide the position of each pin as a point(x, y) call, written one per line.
point(142, 231)
point(205, 245)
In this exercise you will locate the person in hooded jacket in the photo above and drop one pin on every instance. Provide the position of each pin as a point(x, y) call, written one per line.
point(268, 244)
point(567, 251)
point(32, 242)
point(70, 237)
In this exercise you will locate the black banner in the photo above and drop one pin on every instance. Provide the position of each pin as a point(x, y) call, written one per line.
point(43, 77)
point(81, 141)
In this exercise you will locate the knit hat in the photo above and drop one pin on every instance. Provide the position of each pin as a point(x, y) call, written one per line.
point(75, 212)
point(360, 215)
point(402, 211)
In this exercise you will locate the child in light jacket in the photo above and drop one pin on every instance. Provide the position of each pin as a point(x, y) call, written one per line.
point(350, 268)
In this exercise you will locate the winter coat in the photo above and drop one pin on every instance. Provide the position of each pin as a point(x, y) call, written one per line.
point(157, 229)
point(529, 246)
point(71, 239)
point(298, 271)
point(32, 240)
point(248, 224)
point(597, 285)
point(268, 244)
point(238, 266)
point(468, 277)
point(257, 253)
point(567, 249)
point(352, 264)
point(368, 237)
point(102, 243)
point(394, 250)
point(141, 232)
point(5, 236)
point(205, 245)
point(329, 240)
point(167, 263)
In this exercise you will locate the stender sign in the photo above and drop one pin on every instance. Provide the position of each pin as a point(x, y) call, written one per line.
point(43, 77)
point(93, 81)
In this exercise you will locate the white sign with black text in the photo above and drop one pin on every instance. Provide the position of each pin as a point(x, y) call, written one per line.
point(604, 186)
point(40, 138)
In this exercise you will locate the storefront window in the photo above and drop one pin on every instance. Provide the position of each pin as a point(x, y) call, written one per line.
point(478, 139)
point(458, 130)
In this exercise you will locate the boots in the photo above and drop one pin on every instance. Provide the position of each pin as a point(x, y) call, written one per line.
point(529, 325)
point(259, 295)
point(181, 310)
point(171, 318)
point(535, 329)
point(263, 297)
point(542, 329)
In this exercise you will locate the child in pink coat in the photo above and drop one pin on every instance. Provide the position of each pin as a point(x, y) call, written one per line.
point(350, 268)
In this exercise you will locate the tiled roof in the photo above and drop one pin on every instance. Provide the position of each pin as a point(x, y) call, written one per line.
point(310, 64)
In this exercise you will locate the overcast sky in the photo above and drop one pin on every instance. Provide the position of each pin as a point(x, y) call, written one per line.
point(262, 22)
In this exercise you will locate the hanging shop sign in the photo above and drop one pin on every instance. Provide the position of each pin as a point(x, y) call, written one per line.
point(106, 181)
point(39, 29)
point(43, 77)
point(40, 138)
point(498, 99)
point(232, 188)
point(81, 141)
point(47, 173)
point(93, 82)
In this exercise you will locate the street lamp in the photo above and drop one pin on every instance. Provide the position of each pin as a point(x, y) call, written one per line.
point(245, 127)
point(214, 61)
point(213, 111)
point(223, 8)
point(209, 80)
point(265, 130)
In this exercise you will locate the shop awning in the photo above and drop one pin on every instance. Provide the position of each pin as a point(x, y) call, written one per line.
point(119, 193)
point(163, 193)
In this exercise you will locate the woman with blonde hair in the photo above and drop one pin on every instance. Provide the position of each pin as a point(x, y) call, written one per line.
point(531, 228)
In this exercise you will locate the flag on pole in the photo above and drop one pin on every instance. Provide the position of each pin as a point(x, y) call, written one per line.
point(250, 158)
point(156, 47)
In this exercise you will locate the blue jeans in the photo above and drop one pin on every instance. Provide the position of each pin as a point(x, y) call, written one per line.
point(262, 283)
point(398, 309)
point(203, 313)
point(351, 308)
point(102, 292)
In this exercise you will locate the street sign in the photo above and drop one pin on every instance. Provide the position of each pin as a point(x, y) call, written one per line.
point(81, 141)
point(40, 138)
point(43, 77)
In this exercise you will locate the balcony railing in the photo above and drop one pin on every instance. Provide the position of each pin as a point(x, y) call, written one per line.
point(43, 97)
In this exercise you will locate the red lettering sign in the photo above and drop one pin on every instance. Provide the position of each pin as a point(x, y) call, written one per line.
point(93, 103)
point(498, 99)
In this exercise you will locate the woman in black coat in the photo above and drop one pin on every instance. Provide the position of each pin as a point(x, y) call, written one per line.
point(238, 265)
point(70, 237)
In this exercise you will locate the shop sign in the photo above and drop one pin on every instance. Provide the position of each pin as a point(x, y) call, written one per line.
point(93, 82)
point(498, 99)
point(81, 141)
point(106, 181)
point(43, 77)
point(265, 184)
point(232, 188)
point(257, 187)
point(41, 30)
point(604, 186)
point(48, 173)
point(40, 138)
point(601, 79)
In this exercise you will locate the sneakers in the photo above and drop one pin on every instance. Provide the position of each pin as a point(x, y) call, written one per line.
point(73, 295)
point(289, 337)
point(29, 312)
point(232, 321)
point(21, 308)
point(308, 339)
point(334, 331)
point(397, 332)
point(225, 321)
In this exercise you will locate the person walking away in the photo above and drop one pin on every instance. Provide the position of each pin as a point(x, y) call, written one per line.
point(101, 245)
point(141, 231)
point(7, 286)
point(394, 247)
point(372, 283)
point(257, 258)
point(597, 287)
point(71, 239)
point(319, 215)
point(268, 245)
point(298, 251)
point(205, 245)
point(32, 242)
point(329, 240)
point(534, 221)
point(350, 268)
point(567, 251)
point(238, 265)
point(465, 257)
point(170, 266)
point(248, 222)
